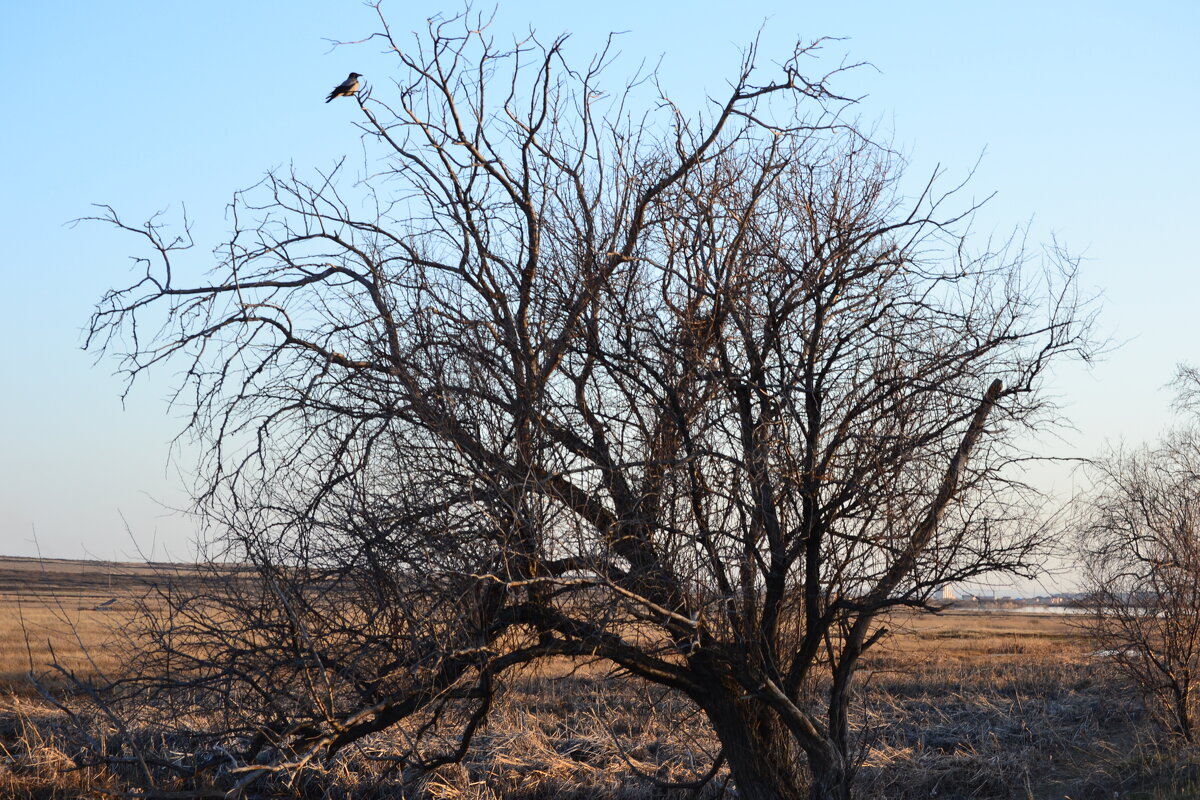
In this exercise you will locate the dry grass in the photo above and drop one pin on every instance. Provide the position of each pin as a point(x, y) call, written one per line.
point(69, 613)
point(62, 612)
point(960, 705)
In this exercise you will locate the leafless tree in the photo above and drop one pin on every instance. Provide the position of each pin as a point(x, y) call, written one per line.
point(700, 395)
point(1139, 536)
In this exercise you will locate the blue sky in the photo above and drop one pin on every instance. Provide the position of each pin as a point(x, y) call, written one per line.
point(1085, 113)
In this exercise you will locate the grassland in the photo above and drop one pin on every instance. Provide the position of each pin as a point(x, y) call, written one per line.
point(958, 705)
point(66, 612)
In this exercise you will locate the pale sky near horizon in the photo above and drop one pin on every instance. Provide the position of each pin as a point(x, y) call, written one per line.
point(1085, 114)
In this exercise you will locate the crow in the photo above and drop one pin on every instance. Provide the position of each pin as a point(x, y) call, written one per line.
point(346, 88)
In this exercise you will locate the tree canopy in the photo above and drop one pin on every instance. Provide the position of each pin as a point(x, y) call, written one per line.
point(572, 375)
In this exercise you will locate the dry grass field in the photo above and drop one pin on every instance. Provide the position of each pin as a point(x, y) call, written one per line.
point(65, 612)
point(60, 611)
point(958, 705)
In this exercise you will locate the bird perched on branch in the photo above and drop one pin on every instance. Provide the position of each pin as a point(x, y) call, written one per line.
point(346, 88)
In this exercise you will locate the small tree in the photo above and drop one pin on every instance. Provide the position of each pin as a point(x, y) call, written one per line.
point(703, 396)
point(1140, 542)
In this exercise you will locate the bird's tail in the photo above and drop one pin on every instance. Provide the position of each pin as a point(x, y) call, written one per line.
point(331, 96)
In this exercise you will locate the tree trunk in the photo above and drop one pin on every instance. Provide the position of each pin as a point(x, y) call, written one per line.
point(1183, 712)
point(830, 780)
point(765, 759)
point(762, 757)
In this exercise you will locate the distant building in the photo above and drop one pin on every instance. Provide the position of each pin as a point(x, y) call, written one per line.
point(945, 592)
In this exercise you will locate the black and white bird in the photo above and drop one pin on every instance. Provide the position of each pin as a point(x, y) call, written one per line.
point(346, 88)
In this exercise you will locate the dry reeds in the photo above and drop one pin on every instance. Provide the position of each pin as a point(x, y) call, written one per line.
point(954, 706)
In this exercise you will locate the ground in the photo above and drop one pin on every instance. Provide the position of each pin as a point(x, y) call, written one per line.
point(957, 705)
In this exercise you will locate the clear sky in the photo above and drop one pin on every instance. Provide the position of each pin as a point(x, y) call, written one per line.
point(1086, 114)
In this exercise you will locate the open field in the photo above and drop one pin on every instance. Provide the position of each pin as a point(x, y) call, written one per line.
point(957, 705)
point(54, 610)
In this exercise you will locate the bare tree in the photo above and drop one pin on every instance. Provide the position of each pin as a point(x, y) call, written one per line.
point(1139, 537)
point(700, 395)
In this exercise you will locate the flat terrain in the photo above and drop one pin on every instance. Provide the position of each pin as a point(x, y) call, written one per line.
point(64, 612)
point(1011, 706)
point(62, 608)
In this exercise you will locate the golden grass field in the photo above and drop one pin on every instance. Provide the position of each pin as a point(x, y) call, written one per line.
point(955, 705)
point(64, 612)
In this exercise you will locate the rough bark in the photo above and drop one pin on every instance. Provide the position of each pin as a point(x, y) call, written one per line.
point(763, 756)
